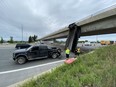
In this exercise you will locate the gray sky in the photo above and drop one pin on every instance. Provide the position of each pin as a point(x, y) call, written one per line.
point(42, 17)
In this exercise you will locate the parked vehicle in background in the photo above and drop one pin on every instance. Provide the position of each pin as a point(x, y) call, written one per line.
point(87, 44)
point(107, 42)
point(103, 42)
point(22, 46)
point(35, 52)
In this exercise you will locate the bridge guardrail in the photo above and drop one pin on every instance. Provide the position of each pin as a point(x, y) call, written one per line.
point(98, 12)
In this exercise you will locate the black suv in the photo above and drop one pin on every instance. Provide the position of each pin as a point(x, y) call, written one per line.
point(22, 46)
point(35, 52)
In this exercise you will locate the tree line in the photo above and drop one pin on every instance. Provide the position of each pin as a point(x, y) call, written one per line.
point(32, 39)
point(11, 40)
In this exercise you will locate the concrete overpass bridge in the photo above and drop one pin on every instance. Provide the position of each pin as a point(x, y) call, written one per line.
point(103, 22)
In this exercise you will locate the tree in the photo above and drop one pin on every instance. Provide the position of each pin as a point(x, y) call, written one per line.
point(30, 39)
point(35, 37)
point(11, 40)
point(1, 41)
point(86, 40)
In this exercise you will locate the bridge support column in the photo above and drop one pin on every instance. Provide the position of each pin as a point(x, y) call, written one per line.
point(73, 36)
point(54, 40)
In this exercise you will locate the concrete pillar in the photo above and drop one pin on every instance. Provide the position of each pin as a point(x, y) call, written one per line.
point(54, 40)
point(73, 36)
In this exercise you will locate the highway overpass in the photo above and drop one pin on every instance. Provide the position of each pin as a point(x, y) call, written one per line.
point(103, 22)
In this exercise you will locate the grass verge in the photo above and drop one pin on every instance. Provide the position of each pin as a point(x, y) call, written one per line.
point(97, 69)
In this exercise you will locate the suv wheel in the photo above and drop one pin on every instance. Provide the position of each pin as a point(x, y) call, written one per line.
point(54, 55)
point(21, 60)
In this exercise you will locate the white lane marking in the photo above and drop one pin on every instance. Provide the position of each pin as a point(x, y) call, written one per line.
point(5, 72)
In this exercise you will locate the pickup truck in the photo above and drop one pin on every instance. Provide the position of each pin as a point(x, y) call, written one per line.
point(21, 56)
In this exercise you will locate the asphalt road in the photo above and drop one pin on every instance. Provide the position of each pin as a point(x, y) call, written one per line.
point(83, 47)
point(7, 63)
point(9, 78)
point(89, 48)
point(11, 73)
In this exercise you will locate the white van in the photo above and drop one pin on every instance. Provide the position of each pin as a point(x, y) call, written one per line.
point(87, 44)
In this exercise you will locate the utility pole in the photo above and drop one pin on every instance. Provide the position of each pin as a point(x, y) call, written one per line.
point(22, 32)
point(96, 38)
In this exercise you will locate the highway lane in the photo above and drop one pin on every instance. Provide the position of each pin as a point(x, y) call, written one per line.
point(89, 48)
point(11, 73)
point(7, 63)
point(12, 77)
point(82, 46)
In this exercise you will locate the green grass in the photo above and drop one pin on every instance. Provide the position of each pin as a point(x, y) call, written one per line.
point(97, 69)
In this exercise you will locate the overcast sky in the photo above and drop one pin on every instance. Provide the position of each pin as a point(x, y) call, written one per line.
point(42, 17)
